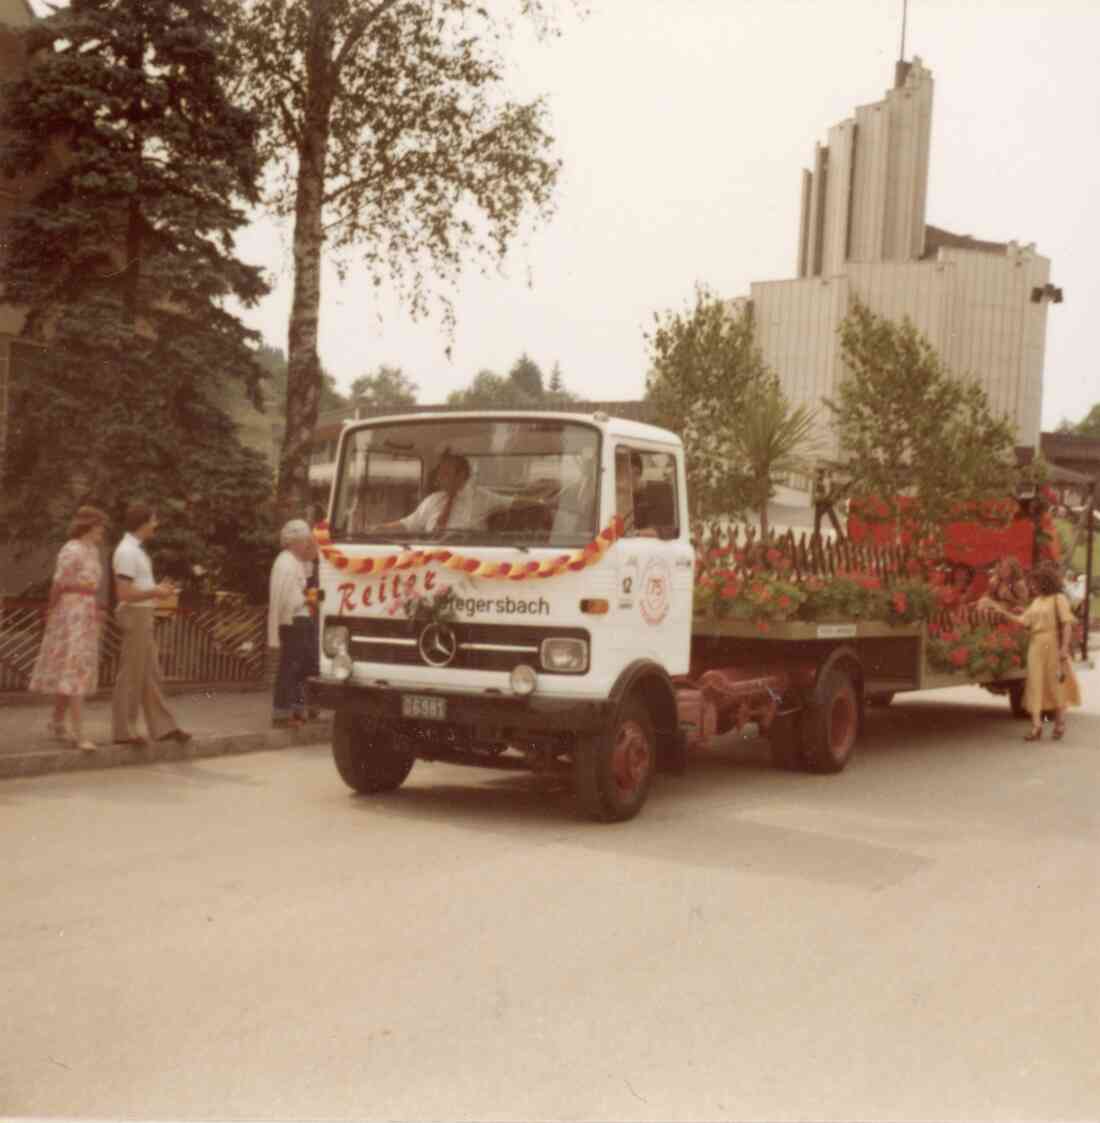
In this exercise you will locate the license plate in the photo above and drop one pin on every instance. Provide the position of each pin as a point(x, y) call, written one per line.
point(424, 706)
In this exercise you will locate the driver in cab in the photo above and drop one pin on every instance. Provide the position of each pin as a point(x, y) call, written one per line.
point(458, 503)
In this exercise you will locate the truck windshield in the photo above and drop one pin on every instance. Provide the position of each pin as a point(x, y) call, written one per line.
point(474, 480)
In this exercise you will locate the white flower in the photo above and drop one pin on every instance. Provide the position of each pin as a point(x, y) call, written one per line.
point(198, 570)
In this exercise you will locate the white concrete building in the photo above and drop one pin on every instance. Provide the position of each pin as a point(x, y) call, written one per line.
point(863, 236)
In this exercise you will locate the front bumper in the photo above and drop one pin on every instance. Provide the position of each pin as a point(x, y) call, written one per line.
point(493, 716)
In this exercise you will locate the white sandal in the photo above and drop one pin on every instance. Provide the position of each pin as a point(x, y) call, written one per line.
point(87, 746)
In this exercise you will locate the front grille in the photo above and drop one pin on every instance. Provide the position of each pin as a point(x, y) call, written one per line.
point(481, 647)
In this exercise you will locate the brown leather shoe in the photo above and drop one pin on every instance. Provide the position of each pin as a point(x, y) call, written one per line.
point(176, 735)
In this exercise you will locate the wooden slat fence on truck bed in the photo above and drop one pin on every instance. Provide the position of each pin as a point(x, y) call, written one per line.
point(806, 555)
point(219, 644)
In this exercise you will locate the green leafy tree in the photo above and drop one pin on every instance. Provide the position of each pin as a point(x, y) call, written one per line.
point(393, 136)
point(1088, 426)
point(491, 391)
point(773, 439)
point(122, 256)
point(703, 364)
point(388, 390)
point(908, 427)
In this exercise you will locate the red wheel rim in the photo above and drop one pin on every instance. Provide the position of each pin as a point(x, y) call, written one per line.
point(631, 757)
point(842, 724)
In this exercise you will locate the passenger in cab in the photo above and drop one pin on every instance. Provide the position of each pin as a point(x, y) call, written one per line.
point(628, 486)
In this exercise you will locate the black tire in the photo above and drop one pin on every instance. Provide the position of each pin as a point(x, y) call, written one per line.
point(1016, 699)
point(614, 769)
point(785, 743)
point(830, 727)
point(883, 699)
point(366, 756)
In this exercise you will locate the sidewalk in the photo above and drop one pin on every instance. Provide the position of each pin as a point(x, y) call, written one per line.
point(219, 723)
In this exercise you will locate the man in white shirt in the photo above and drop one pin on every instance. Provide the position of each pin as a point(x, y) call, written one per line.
point(290, 627)
point(137, 684)
point(1075, 590)
point(459, 503)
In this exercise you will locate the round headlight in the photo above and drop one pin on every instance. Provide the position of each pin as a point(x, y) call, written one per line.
point(341, 666)
point(336, 640)
point(523, 679)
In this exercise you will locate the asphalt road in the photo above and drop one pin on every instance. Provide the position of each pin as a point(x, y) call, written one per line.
point(242, 938)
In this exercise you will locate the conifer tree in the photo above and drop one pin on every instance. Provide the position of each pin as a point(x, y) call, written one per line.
point(122, 255)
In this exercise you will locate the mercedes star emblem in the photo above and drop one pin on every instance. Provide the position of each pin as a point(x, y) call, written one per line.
point(438, 645)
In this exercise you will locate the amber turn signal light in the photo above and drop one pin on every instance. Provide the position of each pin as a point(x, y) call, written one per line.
point(594, 606)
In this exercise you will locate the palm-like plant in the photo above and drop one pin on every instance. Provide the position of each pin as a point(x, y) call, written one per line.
point(773, 439)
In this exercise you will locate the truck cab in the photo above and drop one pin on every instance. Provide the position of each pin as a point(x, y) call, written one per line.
point(511, 590)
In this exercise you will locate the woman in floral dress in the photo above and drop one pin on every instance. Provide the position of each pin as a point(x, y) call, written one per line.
point(68, 660)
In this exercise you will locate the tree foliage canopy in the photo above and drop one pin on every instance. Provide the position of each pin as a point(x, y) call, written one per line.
point(123, 258)
point(908, 427)
point(388, 390)
point(388, 127)
point(704, 363)
point(522, 388)
point(1088, 426)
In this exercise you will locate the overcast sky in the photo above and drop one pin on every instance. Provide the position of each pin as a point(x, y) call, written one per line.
point(684, 125)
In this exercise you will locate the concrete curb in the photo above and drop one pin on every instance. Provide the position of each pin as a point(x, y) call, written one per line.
point(50, 761)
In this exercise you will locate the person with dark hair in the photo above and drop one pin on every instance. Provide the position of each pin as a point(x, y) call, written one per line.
point(629, 469)
point(67, 665)
point(137, 685)
point(1051, 683)
point(1008, 586)
point(458, 502)
point(824, 497)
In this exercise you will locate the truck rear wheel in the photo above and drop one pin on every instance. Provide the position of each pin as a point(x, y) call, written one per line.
point(366, 756)
point(830, 726)
point(615, 768)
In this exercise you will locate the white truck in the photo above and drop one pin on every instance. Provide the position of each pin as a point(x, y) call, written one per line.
point(545, 621)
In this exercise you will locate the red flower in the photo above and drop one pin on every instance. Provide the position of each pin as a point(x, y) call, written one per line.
point(959, 656)
point(729, 590)
point(784, 601)
point(901, 603)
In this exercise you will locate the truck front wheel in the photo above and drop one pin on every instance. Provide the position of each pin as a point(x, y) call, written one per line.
point(365, 754)
point(830, 726)
point(615, 768)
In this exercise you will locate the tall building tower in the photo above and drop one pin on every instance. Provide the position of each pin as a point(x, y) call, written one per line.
point(863, 237)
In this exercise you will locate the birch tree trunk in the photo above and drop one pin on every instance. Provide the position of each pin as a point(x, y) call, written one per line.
point(303, 386)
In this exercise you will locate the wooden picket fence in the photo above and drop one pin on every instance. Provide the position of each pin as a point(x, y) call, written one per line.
point(218, 644)
point(809, 555)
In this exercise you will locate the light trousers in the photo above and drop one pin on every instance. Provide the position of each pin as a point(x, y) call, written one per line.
point(137, 685)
